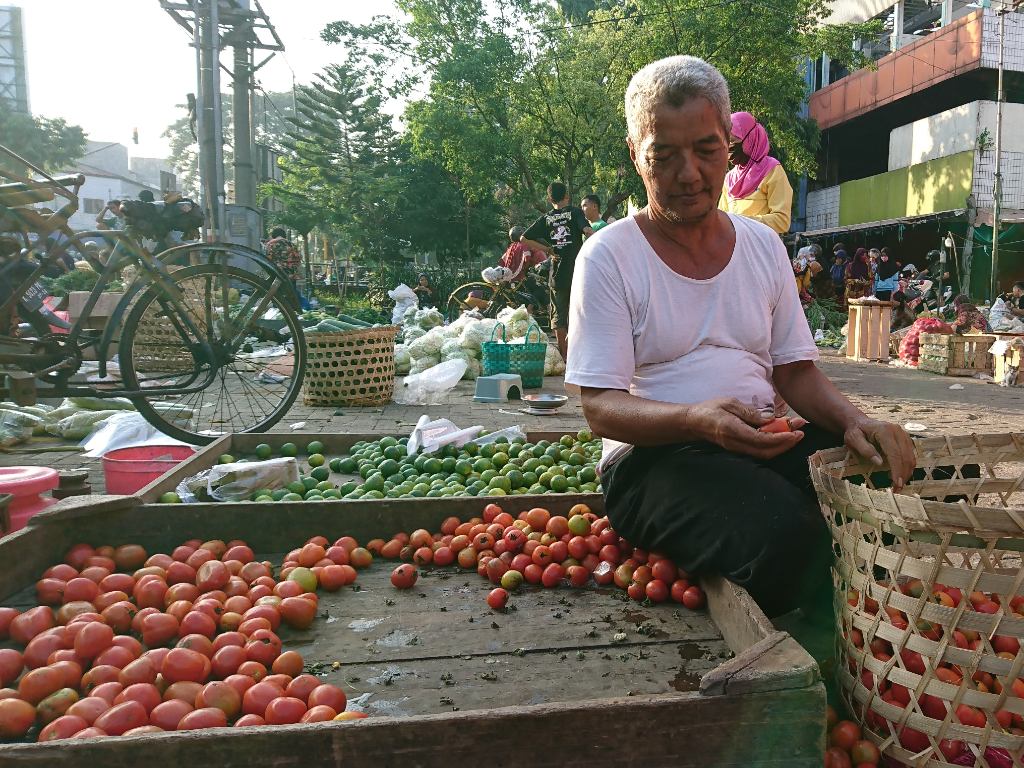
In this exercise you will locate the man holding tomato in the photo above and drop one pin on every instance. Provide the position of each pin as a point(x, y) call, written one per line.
point(684, 320)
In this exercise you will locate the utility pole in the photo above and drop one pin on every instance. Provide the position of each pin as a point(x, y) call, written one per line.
point(244, 25)
point(997, 192)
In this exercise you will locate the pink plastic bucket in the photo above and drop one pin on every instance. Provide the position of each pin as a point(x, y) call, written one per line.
point(25, 484)
point(127, 470)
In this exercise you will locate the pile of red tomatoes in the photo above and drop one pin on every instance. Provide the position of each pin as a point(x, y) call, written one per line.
point(126, 643)
point(952, 750)
point(846, 746)
point(540, 548)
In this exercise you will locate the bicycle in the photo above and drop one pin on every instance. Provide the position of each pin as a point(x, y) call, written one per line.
point(489, 299)
point(183, 357)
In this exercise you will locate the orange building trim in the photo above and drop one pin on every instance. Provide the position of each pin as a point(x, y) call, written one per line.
point(951, 51)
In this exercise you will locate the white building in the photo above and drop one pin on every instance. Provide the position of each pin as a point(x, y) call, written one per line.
point(111, 175)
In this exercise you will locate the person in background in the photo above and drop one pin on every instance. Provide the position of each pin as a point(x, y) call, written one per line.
point(757, 186)
point(425, 292)
point(887, 278)
point(821, 280)
point(837, 272)
point(858, 275)
point(873, 256)
point(564, 227)
point(592, 210)
point(902, 315)
point(279, 249)
point(969, 318)
point(1015, 301)
point(146, 196)
point(110, 216)
point(519, 259)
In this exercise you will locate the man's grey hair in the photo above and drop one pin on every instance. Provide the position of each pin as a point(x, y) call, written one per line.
point(674, 81)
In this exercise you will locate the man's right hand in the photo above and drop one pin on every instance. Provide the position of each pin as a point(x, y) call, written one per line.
point(730, 424)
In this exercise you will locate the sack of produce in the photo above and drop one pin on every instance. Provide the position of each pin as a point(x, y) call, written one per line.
point(910, 347)
point(427, 346)
point(554, 365)
point(238, 481)
point(101, 403)
point(429, 318)
point(403, 360)
point(476, 332)
point(405, 299)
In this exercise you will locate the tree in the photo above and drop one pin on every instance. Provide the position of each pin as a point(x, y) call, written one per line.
point(270, 118)
point(515, 96)
point(50, 143)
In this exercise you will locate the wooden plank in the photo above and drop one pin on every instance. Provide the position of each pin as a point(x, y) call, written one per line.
point(781, 729)
point(445, 616)
point(776, 663)
point(741, 621)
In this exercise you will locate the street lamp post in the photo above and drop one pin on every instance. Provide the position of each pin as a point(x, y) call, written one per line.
point(997, 191)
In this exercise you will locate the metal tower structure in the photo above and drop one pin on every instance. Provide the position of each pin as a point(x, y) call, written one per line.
point(13, 76)
point(243, 26)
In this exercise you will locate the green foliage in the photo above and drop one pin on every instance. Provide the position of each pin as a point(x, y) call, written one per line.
point(75, 280)
point(444, 279)
point(515, 97)
point(50, 143)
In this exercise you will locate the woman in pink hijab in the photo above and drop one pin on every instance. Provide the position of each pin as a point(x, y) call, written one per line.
point(757, 186)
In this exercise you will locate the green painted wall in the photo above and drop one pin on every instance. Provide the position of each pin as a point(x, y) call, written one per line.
point(938, 185)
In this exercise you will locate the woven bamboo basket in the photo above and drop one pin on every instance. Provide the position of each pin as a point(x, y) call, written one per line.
point(350, 368)
point(930, 599)
point(159, 348)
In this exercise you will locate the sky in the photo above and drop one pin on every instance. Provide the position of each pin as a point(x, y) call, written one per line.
point(125, 64)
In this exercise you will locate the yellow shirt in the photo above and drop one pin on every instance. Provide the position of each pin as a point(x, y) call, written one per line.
point(771, 203)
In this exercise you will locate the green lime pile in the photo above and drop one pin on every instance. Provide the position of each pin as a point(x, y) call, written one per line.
point(501, 468)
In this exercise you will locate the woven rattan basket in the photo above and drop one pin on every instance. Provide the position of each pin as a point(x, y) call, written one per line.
point(930, 600)
point(351, 368)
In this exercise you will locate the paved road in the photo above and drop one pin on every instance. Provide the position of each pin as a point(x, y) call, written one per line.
point(895, 394)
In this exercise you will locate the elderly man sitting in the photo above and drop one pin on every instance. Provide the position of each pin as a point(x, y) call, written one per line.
point(683, 320)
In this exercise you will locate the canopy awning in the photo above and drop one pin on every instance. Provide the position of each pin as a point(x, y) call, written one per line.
point(907, 221)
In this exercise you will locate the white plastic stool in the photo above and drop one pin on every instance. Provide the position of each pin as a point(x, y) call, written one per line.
point(499, 388)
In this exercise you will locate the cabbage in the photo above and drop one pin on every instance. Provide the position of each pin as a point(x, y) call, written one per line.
point(477, 332)
point(423, 364)
point(409, 318)
point(403, 360)
point(553, 363)
point(509, 315)
point(429, 318)
point(413, 333)
point(473, 369)
point(450, 347)
point(427, 345)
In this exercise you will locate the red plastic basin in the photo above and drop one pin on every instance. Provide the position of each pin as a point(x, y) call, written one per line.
point(25, 484)
point(127, 470)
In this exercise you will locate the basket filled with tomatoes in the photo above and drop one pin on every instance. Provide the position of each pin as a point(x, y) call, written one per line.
point(930, 599)
point(347, 637)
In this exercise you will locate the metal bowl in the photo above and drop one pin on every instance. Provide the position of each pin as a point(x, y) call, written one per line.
point(545, 402)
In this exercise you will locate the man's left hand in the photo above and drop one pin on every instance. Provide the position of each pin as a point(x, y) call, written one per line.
point(883, 443)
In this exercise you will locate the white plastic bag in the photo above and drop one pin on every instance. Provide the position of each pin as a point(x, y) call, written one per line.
point(404, 298)
point(496, 274)
point(422, 388)
point(238, 481)
point(429, 436)
point(124, 430)
point(509, 433)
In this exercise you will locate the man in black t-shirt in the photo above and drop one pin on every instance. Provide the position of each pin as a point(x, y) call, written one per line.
point(559, 233)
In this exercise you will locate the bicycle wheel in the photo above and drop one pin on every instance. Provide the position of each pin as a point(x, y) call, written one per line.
point(487, 300)
point(250, 390)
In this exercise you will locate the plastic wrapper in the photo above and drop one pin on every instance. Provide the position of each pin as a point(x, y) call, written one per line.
point(509, 433)
point(79, 425)
point(422, 365)
point(35, 410)
point(405, 299)
point(238, 481)
point(20, 424)
point(126, 429)
point(425, 387)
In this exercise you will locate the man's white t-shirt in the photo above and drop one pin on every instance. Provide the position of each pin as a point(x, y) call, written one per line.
point(636, 325)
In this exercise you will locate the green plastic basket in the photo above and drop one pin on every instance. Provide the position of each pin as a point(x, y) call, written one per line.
point(526, 359)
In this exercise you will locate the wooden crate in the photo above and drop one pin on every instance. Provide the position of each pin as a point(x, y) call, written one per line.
point(953, 355)
point(868, 329)
point(1007, 366)
point(547, 683)
point(241, 444)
